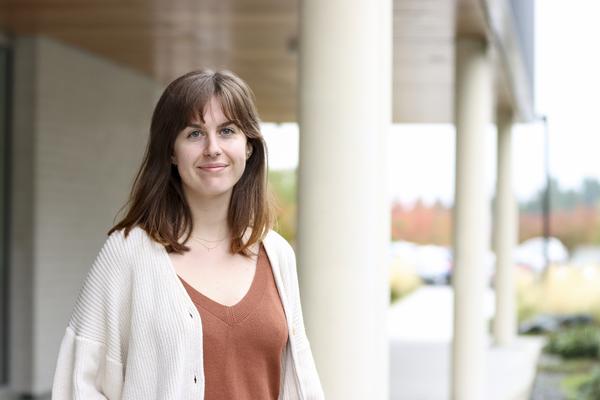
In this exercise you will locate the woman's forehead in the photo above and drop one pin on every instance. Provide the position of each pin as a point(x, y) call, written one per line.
point(213, 112)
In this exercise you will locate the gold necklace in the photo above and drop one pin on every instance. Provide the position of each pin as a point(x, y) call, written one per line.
point(209, 248)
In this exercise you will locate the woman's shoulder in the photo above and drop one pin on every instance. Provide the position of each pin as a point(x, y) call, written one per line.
point(120, 248)
point(106, 289)
point(277, 246)
point(277, 242)
point(126, 241)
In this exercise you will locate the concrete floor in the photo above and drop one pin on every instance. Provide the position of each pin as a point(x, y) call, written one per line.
point(420, 328)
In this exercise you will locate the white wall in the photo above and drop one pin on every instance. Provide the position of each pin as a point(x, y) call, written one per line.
point(80, 128)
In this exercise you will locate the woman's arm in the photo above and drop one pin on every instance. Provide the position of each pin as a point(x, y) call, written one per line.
point(84, 371)
point(309, 376)
point(89, 363)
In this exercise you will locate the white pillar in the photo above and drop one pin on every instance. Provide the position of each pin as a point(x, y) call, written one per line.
point(344, 111)
point(505, 236)
point(473, 106)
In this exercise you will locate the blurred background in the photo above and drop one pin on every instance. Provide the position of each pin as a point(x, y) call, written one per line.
point(434, 163)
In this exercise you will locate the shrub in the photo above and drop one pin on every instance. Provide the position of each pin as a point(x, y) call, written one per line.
point(561, 290)
point(590, 389)
point(578, 341)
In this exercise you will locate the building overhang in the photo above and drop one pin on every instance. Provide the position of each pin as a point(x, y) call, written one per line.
point(258, 39)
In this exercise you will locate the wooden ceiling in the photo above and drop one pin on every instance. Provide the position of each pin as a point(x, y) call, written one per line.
point(255, 38)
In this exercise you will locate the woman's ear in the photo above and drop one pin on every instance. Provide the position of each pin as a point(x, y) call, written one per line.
point(173, 161)
point(248, 150)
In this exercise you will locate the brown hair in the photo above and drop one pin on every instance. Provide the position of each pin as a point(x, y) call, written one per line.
point(157, 204)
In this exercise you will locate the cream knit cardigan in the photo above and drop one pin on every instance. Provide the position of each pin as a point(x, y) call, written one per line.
point(136, 335)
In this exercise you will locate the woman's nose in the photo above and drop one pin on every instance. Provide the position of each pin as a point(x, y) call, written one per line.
point(212, 148)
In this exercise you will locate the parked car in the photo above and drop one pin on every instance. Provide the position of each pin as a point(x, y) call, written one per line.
point(433, 264)
point(530, 253)
point(585, 255)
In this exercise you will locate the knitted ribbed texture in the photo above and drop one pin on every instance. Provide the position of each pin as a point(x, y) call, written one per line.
point(135, 333)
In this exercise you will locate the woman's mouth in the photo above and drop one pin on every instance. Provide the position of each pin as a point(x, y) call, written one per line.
point(213, 167)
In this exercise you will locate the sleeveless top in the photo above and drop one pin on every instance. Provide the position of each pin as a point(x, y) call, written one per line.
point(243, 343)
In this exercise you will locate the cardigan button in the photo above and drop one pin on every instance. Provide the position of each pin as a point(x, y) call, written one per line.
point(194, 378)
point(191, 316)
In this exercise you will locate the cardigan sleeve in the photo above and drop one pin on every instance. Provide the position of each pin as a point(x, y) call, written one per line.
point(89, 364)
point(309, 377)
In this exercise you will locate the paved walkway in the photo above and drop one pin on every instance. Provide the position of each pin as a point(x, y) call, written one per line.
point(420, 328)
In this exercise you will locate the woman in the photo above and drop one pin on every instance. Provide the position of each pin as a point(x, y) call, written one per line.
point(193, 296)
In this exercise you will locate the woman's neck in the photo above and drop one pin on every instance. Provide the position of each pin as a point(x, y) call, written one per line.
point(209, 216)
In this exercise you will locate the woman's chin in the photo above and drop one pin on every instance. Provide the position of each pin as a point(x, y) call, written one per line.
point(213, 193)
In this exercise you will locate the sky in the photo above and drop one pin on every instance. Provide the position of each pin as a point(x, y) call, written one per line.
point(567, 90)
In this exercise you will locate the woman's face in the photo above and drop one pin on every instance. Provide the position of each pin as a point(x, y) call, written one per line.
point(210, 157)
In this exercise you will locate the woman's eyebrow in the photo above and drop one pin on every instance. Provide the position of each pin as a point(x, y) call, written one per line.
point(192, 125)
point(226, 123)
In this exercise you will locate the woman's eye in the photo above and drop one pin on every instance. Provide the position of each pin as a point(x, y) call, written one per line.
point(195, 134)
point(227, 131)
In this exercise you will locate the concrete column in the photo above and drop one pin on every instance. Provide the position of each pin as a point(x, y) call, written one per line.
point(473, 106)
point(344, 111)
point(505, 236)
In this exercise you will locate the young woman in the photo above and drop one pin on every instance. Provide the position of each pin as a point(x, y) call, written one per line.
point(193, 296)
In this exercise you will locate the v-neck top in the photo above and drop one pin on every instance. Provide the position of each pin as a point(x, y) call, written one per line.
point(243, 343)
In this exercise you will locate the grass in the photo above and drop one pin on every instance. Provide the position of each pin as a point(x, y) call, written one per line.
point(574, 366)
point(562, 289)
point(571, 384)
point(403, 279)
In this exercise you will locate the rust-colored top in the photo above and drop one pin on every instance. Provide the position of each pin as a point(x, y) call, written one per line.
point(243, 343)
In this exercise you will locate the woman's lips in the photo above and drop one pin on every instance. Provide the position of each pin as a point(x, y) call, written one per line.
point(215, 168)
